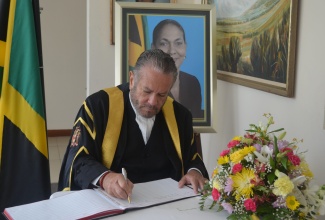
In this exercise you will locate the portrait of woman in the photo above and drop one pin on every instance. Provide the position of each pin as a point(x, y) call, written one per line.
point(169, 36)
point(168, 33)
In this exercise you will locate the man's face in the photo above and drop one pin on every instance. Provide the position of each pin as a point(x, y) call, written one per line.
point(150, 92)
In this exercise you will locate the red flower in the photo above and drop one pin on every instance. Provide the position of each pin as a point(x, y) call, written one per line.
point(215, 194)
point(250, 205)
point(250, 136)
point(224, 152)
point(294, 159)
point(233, 143)
point(237, 168)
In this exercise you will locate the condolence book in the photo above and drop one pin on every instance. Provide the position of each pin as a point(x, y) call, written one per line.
point(96, 203)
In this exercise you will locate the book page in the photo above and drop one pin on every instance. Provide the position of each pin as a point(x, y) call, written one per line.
point(87, 203)
point(152, 193)
point(74, 205)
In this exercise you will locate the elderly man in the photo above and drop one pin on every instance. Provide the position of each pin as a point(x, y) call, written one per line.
point(135, 126)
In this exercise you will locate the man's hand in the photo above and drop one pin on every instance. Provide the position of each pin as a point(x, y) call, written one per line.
point(193, 178)
point(116, 185)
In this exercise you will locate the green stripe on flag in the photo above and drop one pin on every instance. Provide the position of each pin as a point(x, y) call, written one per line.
point(23, 79)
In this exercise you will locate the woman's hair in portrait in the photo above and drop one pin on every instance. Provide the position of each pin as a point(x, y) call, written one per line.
point(163, 23)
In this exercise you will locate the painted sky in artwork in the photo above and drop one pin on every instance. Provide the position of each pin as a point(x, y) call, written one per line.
point(233, 8)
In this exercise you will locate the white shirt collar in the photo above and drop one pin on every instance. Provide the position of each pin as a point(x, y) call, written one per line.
point(145, 124)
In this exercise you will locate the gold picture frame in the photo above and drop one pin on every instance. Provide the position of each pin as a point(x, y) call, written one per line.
point(136, 21)
point(257, 49)
point(112, 13)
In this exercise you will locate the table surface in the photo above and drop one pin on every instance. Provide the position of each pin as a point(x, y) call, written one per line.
point(188, 209)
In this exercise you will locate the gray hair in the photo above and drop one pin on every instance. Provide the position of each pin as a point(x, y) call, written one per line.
point(158, 60)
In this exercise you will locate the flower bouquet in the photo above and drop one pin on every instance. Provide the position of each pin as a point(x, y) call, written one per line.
point(262, 176)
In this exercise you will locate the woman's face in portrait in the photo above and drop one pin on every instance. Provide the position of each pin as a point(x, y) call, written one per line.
point(171, 41)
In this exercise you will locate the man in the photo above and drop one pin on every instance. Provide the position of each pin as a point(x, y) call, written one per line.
point(135, 126)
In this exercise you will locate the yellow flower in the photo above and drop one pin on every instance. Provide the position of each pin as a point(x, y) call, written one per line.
point(292, 203)
point(217, 185)
point(239, 155)
point(215, 172)
point(283, 185)
point(223, 160)
point(237, 138)
point(254, 217)
point(304, 167)
point(247, 150)
point(242, 183)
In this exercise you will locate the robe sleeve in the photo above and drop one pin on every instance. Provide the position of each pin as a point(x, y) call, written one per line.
point(191, 157)
point(82, 160)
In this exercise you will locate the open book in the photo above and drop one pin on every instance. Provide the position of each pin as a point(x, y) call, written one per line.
point(96, 203)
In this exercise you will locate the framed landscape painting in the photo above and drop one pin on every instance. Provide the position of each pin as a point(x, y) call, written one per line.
point(256, 43)
point(135, 27)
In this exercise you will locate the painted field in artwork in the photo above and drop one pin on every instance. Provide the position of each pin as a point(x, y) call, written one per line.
point(253, 37)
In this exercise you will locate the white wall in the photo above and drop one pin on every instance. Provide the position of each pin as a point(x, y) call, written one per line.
point(101, 55)
point(63, 26)
point(238, 106)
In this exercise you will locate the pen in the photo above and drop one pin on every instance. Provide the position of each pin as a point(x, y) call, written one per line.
point(126, 179)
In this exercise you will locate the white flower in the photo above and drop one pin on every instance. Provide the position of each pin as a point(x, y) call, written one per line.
point(299, 180)
point(249, 157)
point(321, 208)
point(264, 155)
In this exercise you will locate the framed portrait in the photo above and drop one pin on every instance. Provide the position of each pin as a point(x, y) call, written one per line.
point(135, 27)
point(256, 44)
point(112, 13)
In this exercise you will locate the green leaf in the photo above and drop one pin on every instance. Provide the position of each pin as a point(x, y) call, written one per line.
point(265, 208)
point(271, 177)
point(276, 149)
point(262, 189)
point(239, 217)
point(277, 130)
point(284, 162)
point(282, 135)
point(268, 217)
point(272, 163)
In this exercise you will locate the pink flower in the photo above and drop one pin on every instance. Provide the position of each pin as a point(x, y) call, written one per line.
point(237, 168)
point(215, 194)
point(294, 159)
point(224, 153)
point(228, 207)
point(233, 143)
point(250, 205)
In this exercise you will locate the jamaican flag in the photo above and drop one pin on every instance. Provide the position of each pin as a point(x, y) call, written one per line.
point(24, 164)
point(138, 38)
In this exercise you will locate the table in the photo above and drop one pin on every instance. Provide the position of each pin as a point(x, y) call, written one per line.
point(187, 209)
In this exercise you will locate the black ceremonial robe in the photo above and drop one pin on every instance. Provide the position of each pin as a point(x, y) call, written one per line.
point(106, 137)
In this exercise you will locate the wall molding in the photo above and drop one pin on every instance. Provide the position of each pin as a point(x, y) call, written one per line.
point(60, 132)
